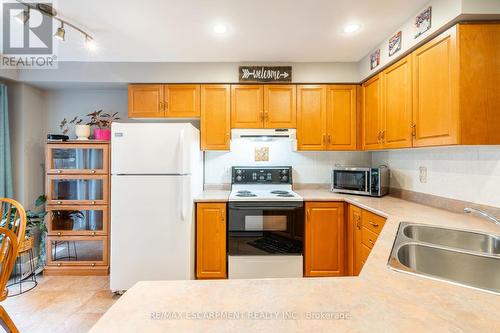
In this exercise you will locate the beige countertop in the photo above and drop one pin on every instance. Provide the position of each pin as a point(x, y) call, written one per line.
point(213, 196)
point(379, 300)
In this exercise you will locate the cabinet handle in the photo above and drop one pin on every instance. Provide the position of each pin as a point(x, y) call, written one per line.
point(379, 136)
point(329, 139)
point(383, 136)
point(370, 241)
point(324, 138)
point(358, 223)
point(413, 130)
point(160, 105)
point(373, 224)
point(307, 214)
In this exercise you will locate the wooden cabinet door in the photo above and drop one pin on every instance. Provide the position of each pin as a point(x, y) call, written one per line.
point(182, 101)
point(324, 239)
point(397, 108)
point(280, 110)
point(211, 241)
point(145, 101)
point(341, 117)
point(372, 113)
point(215, 120)
point(311, 117)
point(435, 87)
point(247, 106)
point(354, 240)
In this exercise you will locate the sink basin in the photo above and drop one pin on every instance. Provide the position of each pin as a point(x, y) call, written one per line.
point(467, 258)
point(458, 239)
point(472, 270)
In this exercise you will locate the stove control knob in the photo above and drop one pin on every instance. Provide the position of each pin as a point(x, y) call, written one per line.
point(284, 178)
point(238, 178)
point(238, 172)
point(284, 171)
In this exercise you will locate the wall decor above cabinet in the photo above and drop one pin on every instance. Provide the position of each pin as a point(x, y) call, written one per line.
point(164, 101)
point(265, 74)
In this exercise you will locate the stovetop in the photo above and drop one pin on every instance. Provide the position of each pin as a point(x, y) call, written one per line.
point(262, 184)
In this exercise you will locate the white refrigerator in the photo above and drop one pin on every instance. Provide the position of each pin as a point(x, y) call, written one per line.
point(156, 171)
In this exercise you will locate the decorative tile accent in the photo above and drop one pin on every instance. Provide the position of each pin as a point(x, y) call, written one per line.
point(261, 154)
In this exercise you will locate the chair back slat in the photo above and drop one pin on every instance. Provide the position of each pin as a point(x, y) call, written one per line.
point(8, 253)
point(13, 217)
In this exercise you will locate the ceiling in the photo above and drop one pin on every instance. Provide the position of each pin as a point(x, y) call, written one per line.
point(258, 30)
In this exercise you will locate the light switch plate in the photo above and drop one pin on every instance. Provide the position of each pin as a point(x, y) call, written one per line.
point(261, 154)
point(423, 174)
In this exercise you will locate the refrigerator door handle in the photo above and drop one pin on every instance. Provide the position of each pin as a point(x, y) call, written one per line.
point(182, 201)
point(182, 147)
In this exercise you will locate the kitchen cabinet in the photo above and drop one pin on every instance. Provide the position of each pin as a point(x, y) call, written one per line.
point(280, 110)
point(211, 258)
point(311, 117)
point(247, 106)
point(397, 105)
point(324, 245)
point(363, 229)
point(215, 120)
point(145, 101)
point(341, 117)
point(182, 101)
point(77, 189)
point(372, 114)
point(160, 101)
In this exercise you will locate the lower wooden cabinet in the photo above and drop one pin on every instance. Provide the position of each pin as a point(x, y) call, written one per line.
point(324, 248)
point(363, 228)
point(211, 258)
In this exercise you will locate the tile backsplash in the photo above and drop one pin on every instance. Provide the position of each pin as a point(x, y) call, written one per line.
point(308, 167)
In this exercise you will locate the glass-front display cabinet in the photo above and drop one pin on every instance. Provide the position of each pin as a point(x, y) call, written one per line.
point(77, 189)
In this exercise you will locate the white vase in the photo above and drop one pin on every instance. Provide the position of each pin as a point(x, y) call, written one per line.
point(82, 132)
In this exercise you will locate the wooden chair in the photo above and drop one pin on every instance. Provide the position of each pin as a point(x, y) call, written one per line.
point(12, 229)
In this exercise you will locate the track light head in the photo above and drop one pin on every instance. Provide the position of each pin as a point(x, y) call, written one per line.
point(60, 33)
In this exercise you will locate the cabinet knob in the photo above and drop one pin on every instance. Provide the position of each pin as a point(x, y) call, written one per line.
point(92, 202)
point(59, 202)
point(373, 224)
point(59, 234)
point(59, 265)
point(93, 233)
point(92, 171)
point(93, 264)
point(59, 171)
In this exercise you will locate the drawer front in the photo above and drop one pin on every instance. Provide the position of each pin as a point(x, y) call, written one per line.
point(77, 220)
point(368, 237)
point(77, 159)
point(77, 251)
point(77, 190)
point(372, 221)
point(364, 253)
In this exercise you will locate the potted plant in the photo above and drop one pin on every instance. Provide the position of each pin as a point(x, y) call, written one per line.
point(103, 122)
point(82, 131)
point(35, 226)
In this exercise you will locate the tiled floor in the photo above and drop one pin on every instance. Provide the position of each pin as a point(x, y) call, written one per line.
point(61, 304)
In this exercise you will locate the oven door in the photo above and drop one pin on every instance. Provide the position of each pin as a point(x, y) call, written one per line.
point(351, 180)
point(265, 228)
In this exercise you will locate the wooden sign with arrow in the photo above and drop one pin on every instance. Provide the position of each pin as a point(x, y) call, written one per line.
point(265, 73)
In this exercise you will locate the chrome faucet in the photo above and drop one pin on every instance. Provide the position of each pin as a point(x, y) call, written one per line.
point(469, 210)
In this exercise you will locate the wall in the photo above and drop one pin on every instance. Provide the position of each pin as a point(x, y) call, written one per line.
point(27, 129)
point(464, 173)
point(80, 102)
point(183, 72)
point(308, 167)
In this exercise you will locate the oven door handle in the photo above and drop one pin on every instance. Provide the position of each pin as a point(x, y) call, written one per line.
point(263, 208)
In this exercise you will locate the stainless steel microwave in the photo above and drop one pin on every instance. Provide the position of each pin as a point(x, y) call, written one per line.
point(364, 181)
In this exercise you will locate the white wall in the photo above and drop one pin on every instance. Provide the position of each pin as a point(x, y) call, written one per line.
point(27, 130)
point(463, 173)
point(308, 167)
point(80, 102)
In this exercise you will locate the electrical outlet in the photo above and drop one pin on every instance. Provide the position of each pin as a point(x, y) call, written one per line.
point(423, 174)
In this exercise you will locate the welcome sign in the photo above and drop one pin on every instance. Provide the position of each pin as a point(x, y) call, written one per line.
point(265, 73)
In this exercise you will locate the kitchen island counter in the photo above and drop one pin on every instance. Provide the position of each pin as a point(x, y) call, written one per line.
point(379, 300)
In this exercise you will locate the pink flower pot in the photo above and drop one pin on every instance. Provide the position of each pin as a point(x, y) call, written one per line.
point(103, 134)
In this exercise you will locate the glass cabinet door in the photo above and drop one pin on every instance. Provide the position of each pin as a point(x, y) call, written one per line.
point(77, 220)
point(78, 189)
point(77, 250)
point(77, 158)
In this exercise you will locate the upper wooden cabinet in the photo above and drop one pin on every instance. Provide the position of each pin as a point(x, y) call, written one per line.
point(211, 241)
point(372, 114)
point(280, 109)
point(341, 117)
point(435, 111)
point(247, 106)
point(397, 105)
point(324, 248)
point(145, 101)
point(159, 101)
point(182, 101)
point(215, 120)
point(311, 117)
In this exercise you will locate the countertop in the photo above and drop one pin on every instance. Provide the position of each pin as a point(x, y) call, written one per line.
point(379, 300)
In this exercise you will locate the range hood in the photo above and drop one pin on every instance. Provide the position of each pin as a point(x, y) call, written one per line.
point(266, 135)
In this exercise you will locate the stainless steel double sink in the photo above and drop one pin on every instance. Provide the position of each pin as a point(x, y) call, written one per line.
point(467, 258)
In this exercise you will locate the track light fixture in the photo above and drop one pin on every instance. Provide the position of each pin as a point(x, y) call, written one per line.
point(60, 33)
